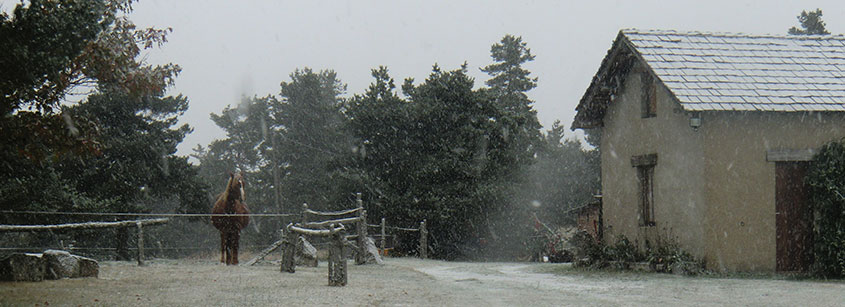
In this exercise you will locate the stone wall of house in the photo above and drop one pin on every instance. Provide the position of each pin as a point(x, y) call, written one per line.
point(740, 189)
point(714, 190)
point(679, 210)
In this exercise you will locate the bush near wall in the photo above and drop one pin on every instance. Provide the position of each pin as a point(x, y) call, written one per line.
point(826, 183)
point(664, 257)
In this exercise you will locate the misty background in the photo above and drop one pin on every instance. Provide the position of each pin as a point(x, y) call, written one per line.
point(308, 100)
point(231, 49)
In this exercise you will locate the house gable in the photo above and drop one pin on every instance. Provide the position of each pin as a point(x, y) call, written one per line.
point(725, 72)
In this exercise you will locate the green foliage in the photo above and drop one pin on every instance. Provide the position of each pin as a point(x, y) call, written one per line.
point(508, 75)
point(600, 255)
point(112, 152)
point(668, 254)
point(312, 140)
point(428, 156)
point(135, 161)
point(509, 84)
point(444, 155)
point(664, 257)
point(623, 250)
point(36, 56)
point(290, 148)
point(54, 48)
point(826, 183)
point(460, 158)
point(811, 24)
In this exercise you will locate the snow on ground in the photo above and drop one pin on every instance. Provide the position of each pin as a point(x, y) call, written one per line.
point(410, 282)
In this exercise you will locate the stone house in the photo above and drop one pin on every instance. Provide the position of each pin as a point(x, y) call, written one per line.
point(705, 138)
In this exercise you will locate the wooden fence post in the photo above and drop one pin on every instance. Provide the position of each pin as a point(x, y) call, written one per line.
point(337, 264)
point(288, 250)
point(360, 255)
point(304, 216)
point(423, 240)
point(297, 244)
point(140, 243)
point(383, 236)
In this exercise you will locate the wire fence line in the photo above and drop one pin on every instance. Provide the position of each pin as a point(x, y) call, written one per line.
point(393, 227)
point(147, 214)
point(81, 248)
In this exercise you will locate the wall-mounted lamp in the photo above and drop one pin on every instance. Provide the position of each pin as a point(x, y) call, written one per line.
point(695, 121)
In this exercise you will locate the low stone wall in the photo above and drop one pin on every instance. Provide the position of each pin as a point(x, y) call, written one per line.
point(52, 264)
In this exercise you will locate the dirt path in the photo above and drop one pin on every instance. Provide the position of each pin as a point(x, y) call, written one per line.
point(520, 284)
point(407, 282)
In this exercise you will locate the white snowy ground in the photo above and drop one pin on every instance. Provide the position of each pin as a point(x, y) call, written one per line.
point(410, 282)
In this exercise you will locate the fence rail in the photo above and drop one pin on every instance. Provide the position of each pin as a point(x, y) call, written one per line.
point(148, 214)
point(88, 225)
point(138, 224)
point(332, 213)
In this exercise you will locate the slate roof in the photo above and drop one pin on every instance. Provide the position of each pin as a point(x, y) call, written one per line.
point(739, 72)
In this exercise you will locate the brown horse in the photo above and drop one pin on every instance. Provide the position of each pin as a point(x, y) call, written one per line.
point(231, 201)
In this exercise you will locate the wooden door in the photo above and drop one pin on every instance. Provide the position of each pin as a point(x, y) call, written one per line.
point(794, 223)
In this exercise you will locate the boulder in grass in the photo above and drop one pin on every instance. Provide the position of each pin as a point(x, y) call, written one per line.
point(372, 255)
point(62, 264)
point(306, 254)
point(23, 267)
point(88, 267)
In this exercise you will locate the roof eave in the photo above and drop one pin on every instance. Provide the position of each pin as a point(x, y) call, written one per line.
point(590, 109)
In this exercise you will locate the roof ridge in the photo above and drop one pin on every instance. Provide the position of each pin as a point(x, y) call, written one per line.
point(729, 34)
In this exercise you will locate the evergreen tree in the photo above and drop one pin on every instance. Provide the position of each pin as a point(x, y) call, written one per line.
point(137, 164)
point(518, 145)
point(53, 48)
point(811, 24)
point(440, 155)
point(312, 140)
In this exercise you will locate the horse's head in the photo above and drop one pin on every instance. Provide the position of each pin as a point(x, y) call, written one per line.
point(236, 186)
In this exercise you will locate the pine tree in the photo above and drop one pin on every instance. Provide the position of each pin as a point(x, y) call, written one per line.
point(811, 22)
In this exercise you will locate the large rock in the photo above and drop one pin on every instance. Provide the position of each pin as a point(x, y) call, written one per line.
point(306, 254)
point(88, 267)
point(52, 264)
point(61, 264)
point(371, 253)
point(23, 267)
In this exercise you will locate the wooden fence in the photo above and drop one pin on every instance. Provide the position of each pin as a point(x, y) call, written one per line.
point(423, 247)
point(138, 224)
point(355, 218)
point(337, 263)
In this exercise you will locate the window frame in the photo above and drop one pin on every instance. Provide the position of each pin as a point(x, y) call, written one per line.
point(648, 101)
point(645, 166)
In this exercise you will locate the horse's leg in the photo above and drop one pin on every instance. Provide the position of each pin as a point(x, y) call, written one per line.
point(228, 248)
point(233, 248)
point(223, 246)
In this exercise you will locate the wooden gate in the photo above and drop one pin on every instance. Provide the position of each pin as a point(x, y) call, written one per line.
point(793, 217)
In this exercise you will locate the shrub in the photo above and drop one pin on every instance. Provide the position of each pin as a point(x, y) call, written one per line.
point(826, 183)
point(670, 257)
point(599, 255)
point(666, 257)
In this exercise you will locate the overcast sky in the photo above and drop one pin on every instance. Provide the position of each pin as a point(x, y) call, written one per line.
point(228, 49)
